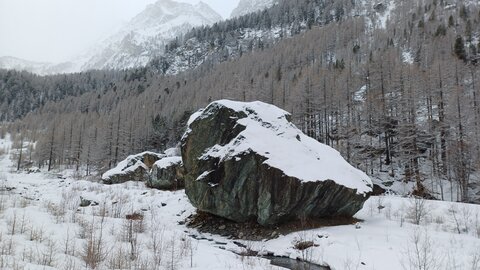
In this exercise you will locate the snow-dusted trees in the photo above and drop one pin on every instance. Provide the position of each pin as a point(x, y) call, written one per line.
point(396, 102)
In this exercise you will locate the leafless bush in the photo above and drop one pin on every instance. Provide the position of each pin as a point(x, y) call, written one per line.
point(475, 261)
point(453, 210)
point(58, 211)
point(172, 253)
point(12, 223)
point(476, 224)
point(24, 202)
point(36, 233)
point(94, 251)
point(70, 199)
point(466, 213)
point(156, 245)
point(417, 209)
point(47, 256)
point(119, 202)
point(7, 246)
point(420, 253)
point(133, 225)
point(118, 258)
point(69, 244)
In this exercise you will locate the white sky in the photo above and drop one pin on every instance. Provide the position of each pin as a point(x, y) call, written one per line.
point(57, 30)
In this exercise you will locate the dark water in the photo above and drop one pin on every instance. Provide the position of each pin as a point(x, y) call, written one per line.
point(294, 264)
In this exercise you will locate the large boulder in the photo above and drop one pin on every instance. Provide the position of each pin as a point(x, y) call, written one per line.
point(167, 174)
point(247, 161)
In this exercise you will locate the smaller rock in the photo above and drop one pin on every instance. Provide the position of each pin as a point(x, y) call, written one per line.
point(134, 216)
point(133, 168)
point(222, 227)
point(84, 202)
point(274, 234)
point(167, 174)
point(358, 226)
point(164, 204)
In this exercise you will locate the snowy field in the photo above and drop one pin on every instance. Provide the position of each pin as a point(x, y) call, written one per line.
point(129, 226)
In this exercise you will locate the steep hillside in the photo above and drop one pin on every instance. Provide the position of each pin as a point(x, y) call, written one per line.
point(393, 87)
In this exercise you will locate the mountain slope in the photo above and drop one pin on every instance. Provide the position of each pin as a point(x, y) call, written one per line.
point(146, 35)
point(249, 6)
point(137, 43)
point(393, 87)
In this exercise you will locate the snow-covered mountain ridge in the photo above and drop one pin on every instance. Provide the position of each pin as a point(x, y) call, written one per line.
point(249, 6)
point(146, 35)
point(135, 44)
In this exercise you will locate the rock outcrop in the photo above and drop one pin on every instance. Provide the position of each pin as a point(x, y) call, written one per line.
point(167, 174)
point(133, 168)
point(247, 161)
point(160, 171)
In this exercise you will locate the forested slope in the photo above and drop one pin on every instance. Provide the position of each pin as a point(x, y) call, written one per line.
point(393, 88)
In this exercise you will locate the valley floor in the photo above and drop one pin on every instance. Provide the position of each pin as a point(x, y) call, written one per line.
point(129, 226)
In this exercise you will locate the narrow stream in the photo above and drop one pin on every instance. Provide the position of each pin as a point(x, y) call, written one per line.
point(294, 264)
point(284, 262)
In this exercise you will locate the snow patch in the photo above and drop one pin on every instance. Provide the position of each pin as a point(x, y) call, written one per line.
point(167, 162)
point(407, 57)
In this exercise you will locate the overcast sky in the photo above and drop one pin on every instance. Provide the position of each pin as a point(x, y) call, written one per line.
point(57, 30)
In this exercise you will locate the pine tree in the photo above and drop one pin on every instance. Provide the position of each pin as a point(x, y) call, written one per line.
point(459, 49)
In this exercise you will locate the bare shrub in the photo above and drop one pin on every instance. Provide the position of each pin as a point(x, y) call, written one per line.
point(94, 251)
point(58, 211)
point(420, 253)
point(156, 245)
point(12, 223)
point(475, 261)
point(118, 258)
point(453, 210)
point(36, 233)
point(47, 256)
point(417, 209)
point(476, 224)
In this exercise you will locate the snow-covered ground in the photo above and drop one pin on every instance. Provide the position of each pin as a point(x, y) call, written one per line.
point(42, 226)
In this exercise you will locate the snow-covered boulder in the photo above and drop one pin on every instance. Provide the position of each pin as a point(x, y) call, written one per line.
point(133, 168)
point(247, 161)
point(167, 174)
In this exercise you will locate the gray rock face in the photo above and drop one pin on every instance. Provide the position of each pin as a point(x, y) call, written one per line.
point(167, 174)
point(246, 161)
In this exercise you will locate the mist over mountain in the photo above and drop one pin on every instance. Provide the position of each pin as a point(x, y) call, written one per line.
point(146, 35)
point(142, 39)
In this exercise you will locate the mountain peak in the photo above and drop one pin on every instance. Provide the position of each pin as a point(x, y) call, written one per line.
point(249, 6)
point(146, 35)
